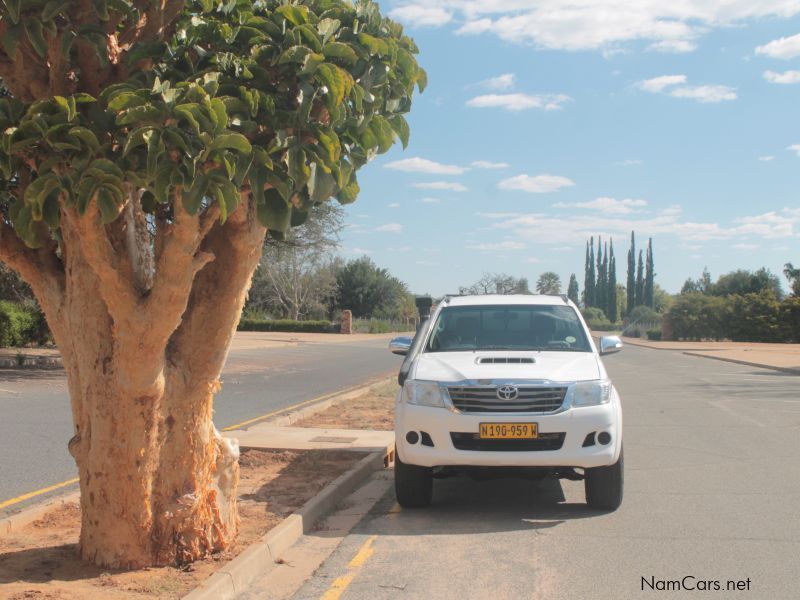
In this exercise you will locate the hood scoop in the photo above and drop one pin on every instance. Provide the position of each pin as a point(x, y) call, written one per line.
point(505, 360)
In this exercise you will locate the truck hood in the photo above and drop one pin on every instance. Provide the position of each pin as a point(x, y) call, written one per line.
point(553, 366)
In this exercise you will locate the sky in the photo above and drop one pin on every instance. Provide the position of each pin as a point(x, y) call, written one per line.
point(546, 122)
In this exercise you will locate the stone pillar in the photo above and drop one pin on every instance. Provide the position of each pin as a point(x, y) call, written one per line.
point(347, 322)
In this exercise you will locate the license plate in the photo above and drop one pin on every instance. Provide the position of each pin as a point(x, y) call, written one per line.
point(508, 431)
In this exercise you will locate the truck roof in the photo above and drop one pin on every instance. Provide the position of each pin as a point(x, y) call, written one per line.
point(507, 299)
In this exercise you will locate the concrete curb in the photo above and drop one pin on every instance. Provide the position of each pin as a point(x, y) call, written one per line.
point(27, 361)
point(260, 557)
point(13, 523)
point(746, 363)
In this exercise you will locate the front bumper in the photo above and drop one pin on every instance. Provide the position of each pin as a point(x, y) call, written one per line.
point(574, 423)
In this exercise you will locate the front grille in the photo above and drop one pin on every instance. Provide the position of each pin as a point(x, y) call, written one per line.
point(511, 360)
point(472, 441)
point(483, 399)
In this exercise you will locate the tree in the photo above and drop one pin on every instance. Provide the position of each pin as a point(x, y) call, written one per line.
point(600, 285)
point(612, 286)
point(639, 282)
point(631, 281)
point(741, 282)
point(368, 290)
point(548, 283)
point(701, 285)
point(589, 279)
point(497, 283)
point(649, 278)
point(793, 275)
point(572, 289)
point(146, 149)
point(297, 275)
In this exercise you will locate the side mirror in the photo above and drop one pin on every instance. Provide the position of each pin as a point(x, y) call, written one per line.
point(609, 344)
point(400, 345)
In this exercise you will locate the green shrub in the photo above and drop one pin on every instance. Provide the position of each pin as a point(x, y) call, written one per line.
point(22, 325)
point(249, 324)
point(696, 316)
point(789, 319)
point(380, 326)
point(654, 335)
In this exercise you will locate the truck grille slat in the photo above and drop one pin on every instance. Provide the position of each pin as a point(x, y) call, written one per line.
point(472, 441)
point(483, 399)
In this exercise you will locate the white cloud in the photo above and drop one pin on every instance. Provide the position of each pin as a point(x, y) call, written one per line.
point(358, 251)
point(399, 249)
point(427, 263)
point(519, 101)
point(428, 200)
point(675, 86)
point(423, 165)
point(538, 184)
point(745, 246)
point(794, 148)
point(441, 185)
point(485, 164)
point(394, 205)
point(390, 228)
point(631, 162)
point(785, 48)
point(501, 82)
point(533, 260)
point(766, 158)
point(419, 15)
point(606, 25)
point(499, 246)
point(607, 205)
point(786, 78)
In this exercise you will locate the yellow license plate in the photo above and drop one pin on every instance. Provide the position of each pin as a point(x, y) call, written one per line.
point(508, 431)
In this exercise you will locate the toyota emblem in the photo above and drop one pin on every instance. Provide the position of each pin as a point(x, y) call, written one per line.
point(507, 392)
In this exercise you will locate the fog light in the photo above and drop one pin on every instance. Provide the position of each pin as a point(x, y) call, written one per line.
point(426, 439)
point(412, 437)
point(604, 437)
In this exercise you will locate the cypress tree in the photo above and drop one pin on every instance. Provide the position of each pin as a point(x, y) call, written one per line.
point(588, 286)
point(631, 283)
point(640, 281)
point(649, 279)
point(612, 286)
point(572, 290)
point(598, 287)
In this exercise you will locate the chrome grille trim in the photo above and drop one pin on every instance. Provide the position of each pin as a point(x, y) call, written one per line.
point(481, 399)
point(511, 360)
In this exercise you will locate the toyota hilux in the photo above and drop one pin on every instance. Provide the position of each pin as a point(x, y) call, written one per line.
point(510, 383)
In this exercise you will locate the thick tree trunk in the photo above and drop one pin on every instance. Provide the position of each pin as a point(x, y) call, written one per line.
point(158, 482)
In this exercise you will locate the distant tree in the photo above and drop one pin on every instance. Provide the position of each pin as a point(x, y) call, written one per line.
point(639, 282)
point(622, 300)
point(600, 285)
point(589, 276)
point(662, 299)
point(631, 282)
point(497, 283)
point(702, 285)
point(548, 283)
point(741, 282)
point(649, 278)
point(368, 290)
point(793, 275)
point(612, 285)
point(572, 289)
point(13, 287)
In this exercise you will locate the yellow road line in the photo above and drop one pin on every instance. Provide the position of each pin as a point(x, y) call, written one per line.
point(30, 495)
point(340, 584)
point(304, 403)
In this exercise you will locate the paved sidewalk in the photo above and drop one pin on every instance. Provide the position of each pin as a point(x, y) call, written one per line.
point(264, 435)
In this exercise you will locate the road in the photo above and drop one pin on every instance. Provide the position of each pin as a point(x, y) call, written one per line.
point(36, 423)
point(712, 493)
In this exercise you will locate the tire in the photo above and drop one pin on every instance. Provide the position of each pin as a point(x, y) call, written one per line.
point(413, 485)
point(604, 485)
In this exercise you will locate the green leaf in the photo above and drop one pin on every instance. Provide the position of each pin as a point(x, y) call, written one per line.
point(155, 148)
point(296, 15)
point(135, 138)
point(106, 199)
point(101, 8)
point(336, 80)
point(11, 40)
point(375, 45)
point(87, 137)
point(298, 169)
point(400, 126)
point(383, 132)
point(349, 193)
point(228, 197)
point(51, 211)
point(276, 180)
point(295, 54)
point(66, 43)
point(25, 227)
point(35, 31)
point(329, 141)
point(340, 50)
point(37, 191)
point(221, 114)
point(274, 213)
point(232, 141)
point(422, 79)
point(125, 100)
point(327, 27)
point(311, 63)
point(13, 6)
point(321, 185)
point(193, 197)
point(138, 114)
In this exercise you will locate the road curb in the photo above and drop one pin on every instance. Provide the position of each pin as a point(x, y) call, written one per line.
point(259, 558)
point(746, 363)
point(13, 523)
point(28, 361)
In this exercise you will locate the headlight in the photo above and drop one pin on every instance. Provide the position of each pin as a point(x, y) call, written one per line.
point(423, 393)
point(591, 393)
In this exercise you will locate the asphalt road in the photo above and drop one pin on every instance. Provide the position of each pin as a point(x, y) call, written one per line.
point(36, 422)
point(712, 494)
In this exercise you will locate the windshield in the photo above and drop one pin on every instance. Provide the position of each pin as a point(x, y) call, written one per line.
point(507, 327)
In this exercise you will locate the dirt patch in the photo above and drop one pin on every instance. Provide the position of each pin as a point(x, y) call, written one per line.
point(40, 561)
point(372, 410)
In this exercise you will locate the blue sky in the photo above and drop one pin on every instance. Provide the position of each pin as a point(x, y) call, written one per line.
point(549, 121)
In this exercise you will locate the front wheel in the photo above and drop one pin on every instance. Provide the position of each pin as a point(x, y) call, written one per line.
point(413, 485)
point(604, 485)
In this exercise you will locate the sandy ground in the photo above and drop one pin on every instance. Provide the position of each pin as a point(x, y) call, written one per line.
point(773, 355)
point(372, 410)
point(40, 561)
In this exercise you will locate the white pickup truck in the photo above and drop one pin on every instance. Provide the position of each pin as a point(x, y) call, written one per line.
point(512, 382)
